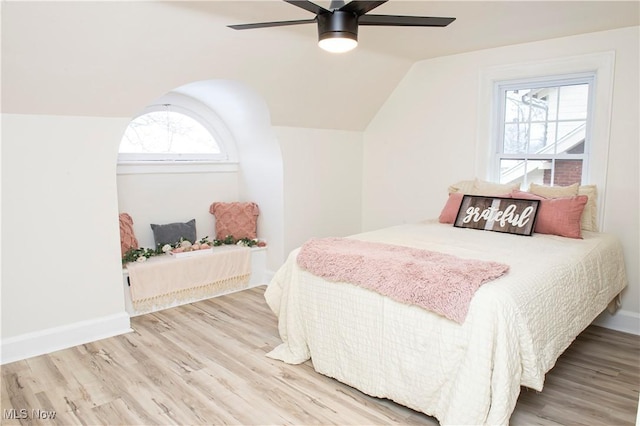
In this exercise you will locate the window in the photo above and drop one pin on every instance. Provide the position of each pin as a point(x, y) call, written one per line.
point(543, 130)
point(170, 133)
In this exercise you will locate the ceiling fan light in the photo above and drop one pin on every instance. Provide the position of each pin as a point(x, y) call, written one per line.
point(337, 31)
point(338, 43)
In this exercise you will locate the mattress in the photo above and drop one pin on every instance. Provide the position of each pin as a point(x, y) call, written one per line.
point(470, 373)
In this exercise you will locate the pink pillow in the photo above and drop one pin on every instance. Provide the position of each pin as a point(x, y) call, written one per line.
point(236, 219)
point(128, 239)
point(450, 210)
point(557, 216)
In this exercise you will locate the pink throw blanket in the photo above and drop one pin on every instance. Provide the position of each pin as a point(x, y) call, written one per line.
point(439, 282)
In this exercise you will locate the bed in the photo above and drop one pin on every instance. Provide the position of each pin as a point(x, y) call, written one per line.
point(470, 373)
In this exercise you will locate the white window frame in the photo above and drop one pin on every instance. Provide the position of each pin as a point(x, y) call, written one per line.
point(225, 161)
point(500, 89)
point(601, 64)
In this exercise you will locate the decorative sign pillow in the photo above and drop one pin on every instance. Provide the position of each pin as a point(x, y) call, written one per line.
point(237, 219)
point(174, 232)
point(509, 215)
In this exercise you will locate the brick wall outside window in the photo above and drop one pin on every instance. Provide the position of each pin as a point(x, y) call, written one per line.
point(567, 172)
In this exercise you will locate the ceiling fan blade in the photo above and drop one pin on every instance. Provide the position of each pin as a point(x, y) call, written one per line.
point(405, 21)
point(361, 7)
point(307, 5)
point(336, 4)
point(271, 24)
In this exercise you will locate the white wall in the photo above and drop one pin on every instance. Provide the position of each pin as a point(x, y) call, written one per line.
point(242, 118)
point(60, 245)
point(177, 197)
point(260, 176)
point(426, 135)
point(59, 194)
point(319, 172)
point(322, 183)
point(180, 192)
point(61, 275)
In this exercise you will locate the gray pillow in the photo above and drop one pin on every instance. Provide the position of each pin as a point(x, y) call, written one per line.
point(172, 232)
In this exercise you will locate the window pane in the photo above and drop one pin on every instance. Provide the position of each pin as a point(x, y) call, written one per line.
point(167, 132)
point(566, 172)
point(571, 134)
point(516, 138)
point(573, 102)
point(538, 138)
point(550, 97)
point(551, 134)
point(576, 149)
point(541, 126)
point(537, 101)
point(516, 111)
point(524, 171)
point(511, 170)
point(535, 171)
point(565, 137)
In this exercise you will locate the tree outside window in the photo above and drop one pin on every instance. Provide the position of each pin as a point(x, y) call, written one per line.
point(169, 133)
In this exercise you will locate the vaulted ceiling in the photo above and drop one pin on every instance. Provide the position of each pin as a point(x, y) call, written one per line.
point(111, 58)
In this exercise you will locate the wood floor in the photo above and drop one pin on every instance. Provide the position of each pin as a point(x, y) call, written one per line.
point(205, 364)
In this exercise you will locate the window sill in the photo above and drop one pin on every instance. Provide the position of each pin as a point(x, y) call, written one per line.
point(166, 167)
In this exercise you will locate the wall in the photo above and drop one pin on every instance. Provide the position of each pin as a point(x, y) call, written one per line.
point(59, 191)
point(260, 176)
point(322, 183)
point(426, 135)
point(176, 197)
point(242, 119)
point(61, 276)
point(60, 250)
point(180, 192)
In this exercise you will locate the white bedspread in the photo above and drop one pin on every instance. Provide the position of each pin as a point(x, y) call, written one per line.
point(516, 328)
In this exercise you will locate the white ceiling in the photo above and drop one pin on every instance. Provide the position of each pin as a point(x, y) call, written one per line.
point(112, 58)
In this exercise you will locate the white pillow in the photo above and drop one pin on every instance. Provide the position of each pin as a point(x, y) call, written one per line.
point(590, 213)
point(492, 189)
point(554, 191)
point(464, 186)
point(482, 187)
point(589, 220)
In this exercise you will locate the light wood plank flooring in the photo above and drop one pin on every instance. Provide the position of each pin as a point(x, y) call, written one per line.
point(205, 363)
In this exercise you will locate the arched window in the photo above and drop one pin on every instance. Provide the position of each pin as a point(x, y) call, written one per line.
point(170, 133)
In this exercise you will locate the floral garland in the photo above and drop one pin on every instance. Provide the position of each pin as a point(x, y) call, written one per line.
point(142, 254)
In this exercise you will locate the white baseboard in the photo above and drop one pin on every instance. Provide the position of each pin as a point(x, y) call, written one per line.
point(625, 321)
point(54, 339)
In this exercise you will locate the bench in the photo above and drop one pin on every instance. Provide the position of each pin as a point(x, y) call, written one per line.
point(258, 260)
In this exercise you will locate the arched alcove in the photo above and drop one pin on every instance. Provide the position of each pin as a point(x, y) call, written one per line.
point(253, 171)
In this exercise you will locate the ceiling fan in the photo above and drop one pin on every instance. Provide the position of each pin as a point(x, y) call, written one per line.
point(338, 25)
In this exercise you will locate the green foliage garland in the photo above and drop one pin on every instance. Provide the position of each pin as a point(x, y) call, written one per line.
point(137, 254)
